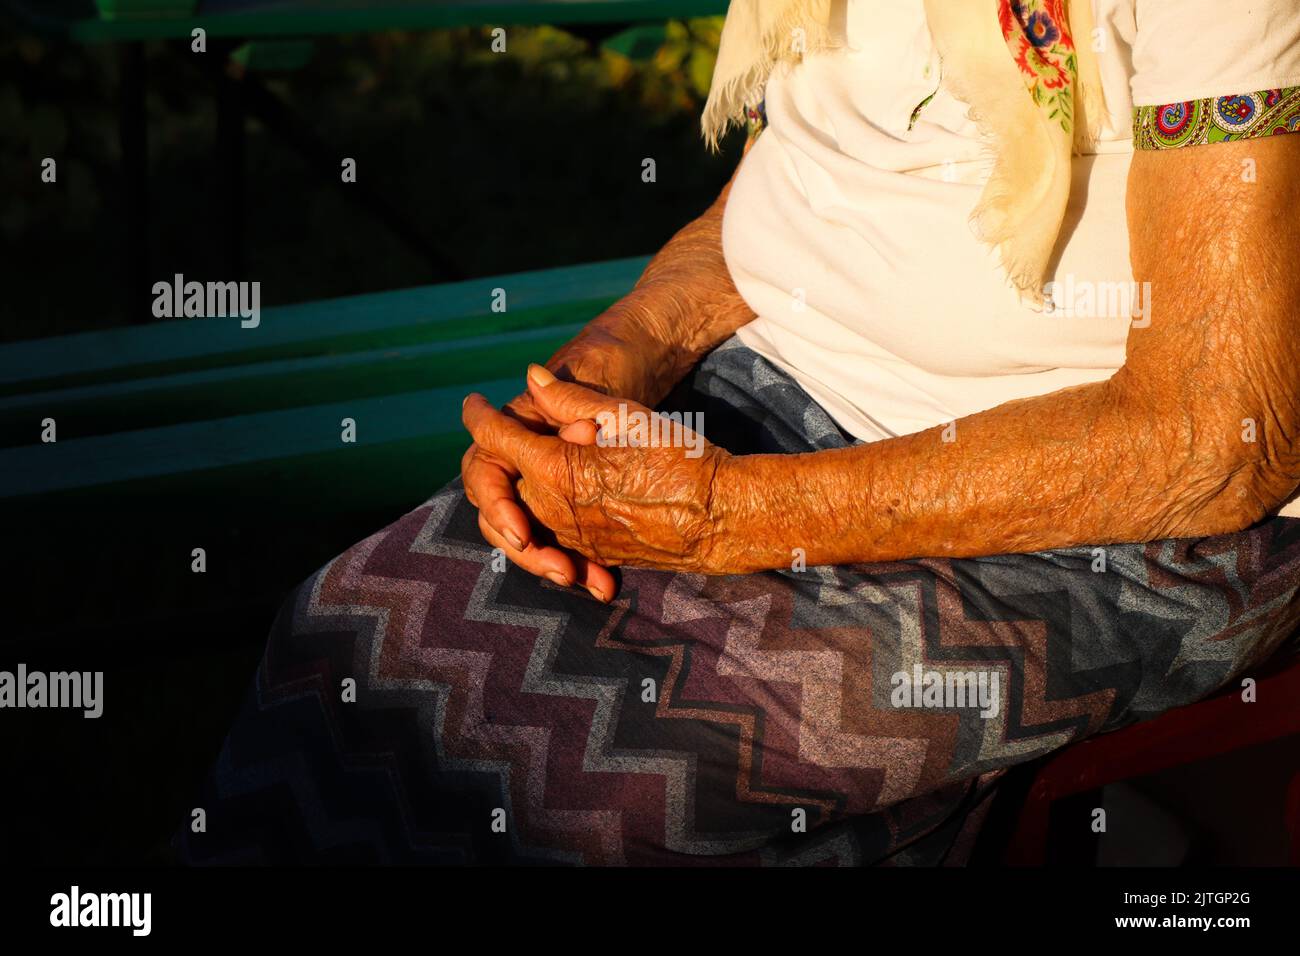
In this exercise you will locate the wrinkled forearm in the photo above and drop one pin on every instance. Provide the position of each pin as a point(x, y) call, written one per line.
point(1091, 465)
point(683, 306)
point(1197, 434)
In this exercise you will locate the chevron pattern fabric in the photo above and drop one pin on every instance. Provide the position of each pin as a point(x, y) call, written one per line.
point(739, 720)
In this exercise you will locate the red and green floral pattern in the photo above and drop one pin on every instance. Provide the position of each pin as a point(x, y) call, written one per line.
point(1038, 34)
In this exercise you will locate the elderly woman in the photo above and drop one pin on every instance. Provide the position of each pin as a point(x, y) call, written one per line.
point(990, 383)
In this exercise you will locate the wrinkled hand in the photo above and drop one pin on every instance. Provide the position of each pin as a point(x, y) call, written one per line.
point(601, 361)
point(489, 481)
point(612, 503)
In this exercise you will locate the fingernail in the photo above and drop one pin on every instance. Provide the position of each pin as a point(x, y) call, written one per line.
point(540, 376)
point(558, 578)
point(463, 401)
point(516, 542)
point(598, 594)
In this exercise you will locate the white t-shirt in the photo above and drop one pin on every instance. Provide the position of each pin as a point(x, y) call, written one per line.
point(847, 232)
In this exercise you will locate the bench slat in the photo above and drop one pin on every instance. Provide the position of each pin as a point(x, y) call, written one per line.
point(178, 450)
point(81, 411)
point(533, 299)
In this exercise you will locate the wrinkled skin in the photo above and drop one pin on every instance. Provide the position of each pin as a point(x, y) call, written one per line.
point(601, 361)
point(684, 306)
point(1157, 451)
point(611, 505)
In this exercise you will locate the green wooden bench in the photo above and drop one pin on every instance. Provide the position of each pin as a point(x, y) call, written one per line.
point(185, 405)
point(200, 433)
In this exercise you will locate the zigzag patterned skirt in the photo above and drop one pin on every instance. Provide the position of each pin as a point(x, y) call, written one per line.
point(417, 705)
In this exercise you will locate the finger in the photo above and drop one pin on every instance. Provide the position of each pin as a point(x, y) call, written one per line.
point(525, 409)
point(490, 486)
point(597, 579)
point(555, 564)
point(544, 562)
point(582, 432)
point(465, 461)
point(505, 437)
point(567, 402)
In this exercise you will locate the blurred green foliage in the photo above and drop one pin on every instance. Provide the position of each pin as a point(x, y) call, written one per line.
point(508, 161)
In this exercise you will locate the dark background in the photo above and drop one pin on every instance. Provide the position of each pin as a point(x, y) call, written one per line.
point(504, 163)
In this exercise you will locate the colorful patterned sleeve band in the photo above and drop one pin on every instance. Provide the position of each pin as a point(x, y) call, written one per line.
point(1217, 119)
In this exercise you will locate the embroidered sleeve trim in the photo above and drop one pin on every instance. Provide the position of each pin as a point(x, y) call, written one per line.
point(1217, 119)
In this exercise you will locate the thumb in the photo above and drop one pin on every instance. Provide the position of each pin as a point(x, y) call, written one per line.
point(566, 402)
point(584, 432)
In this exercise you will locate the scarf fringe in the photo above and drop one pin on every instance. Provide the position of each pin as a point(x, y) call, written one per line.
point(1089, 95)
point(777, 42)
point(1022, 206)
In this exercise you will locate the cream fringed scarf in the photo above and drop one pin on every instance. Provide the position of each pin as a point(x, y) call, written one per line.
point(1025, 67)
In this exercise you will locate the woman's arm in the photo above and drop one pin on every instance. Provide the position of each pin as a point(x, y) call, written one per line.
point(1197, 434)
point(684, 305)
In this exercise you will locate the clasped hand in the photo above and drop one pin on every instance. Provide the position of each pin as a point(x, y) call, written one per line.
point(572, 504)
